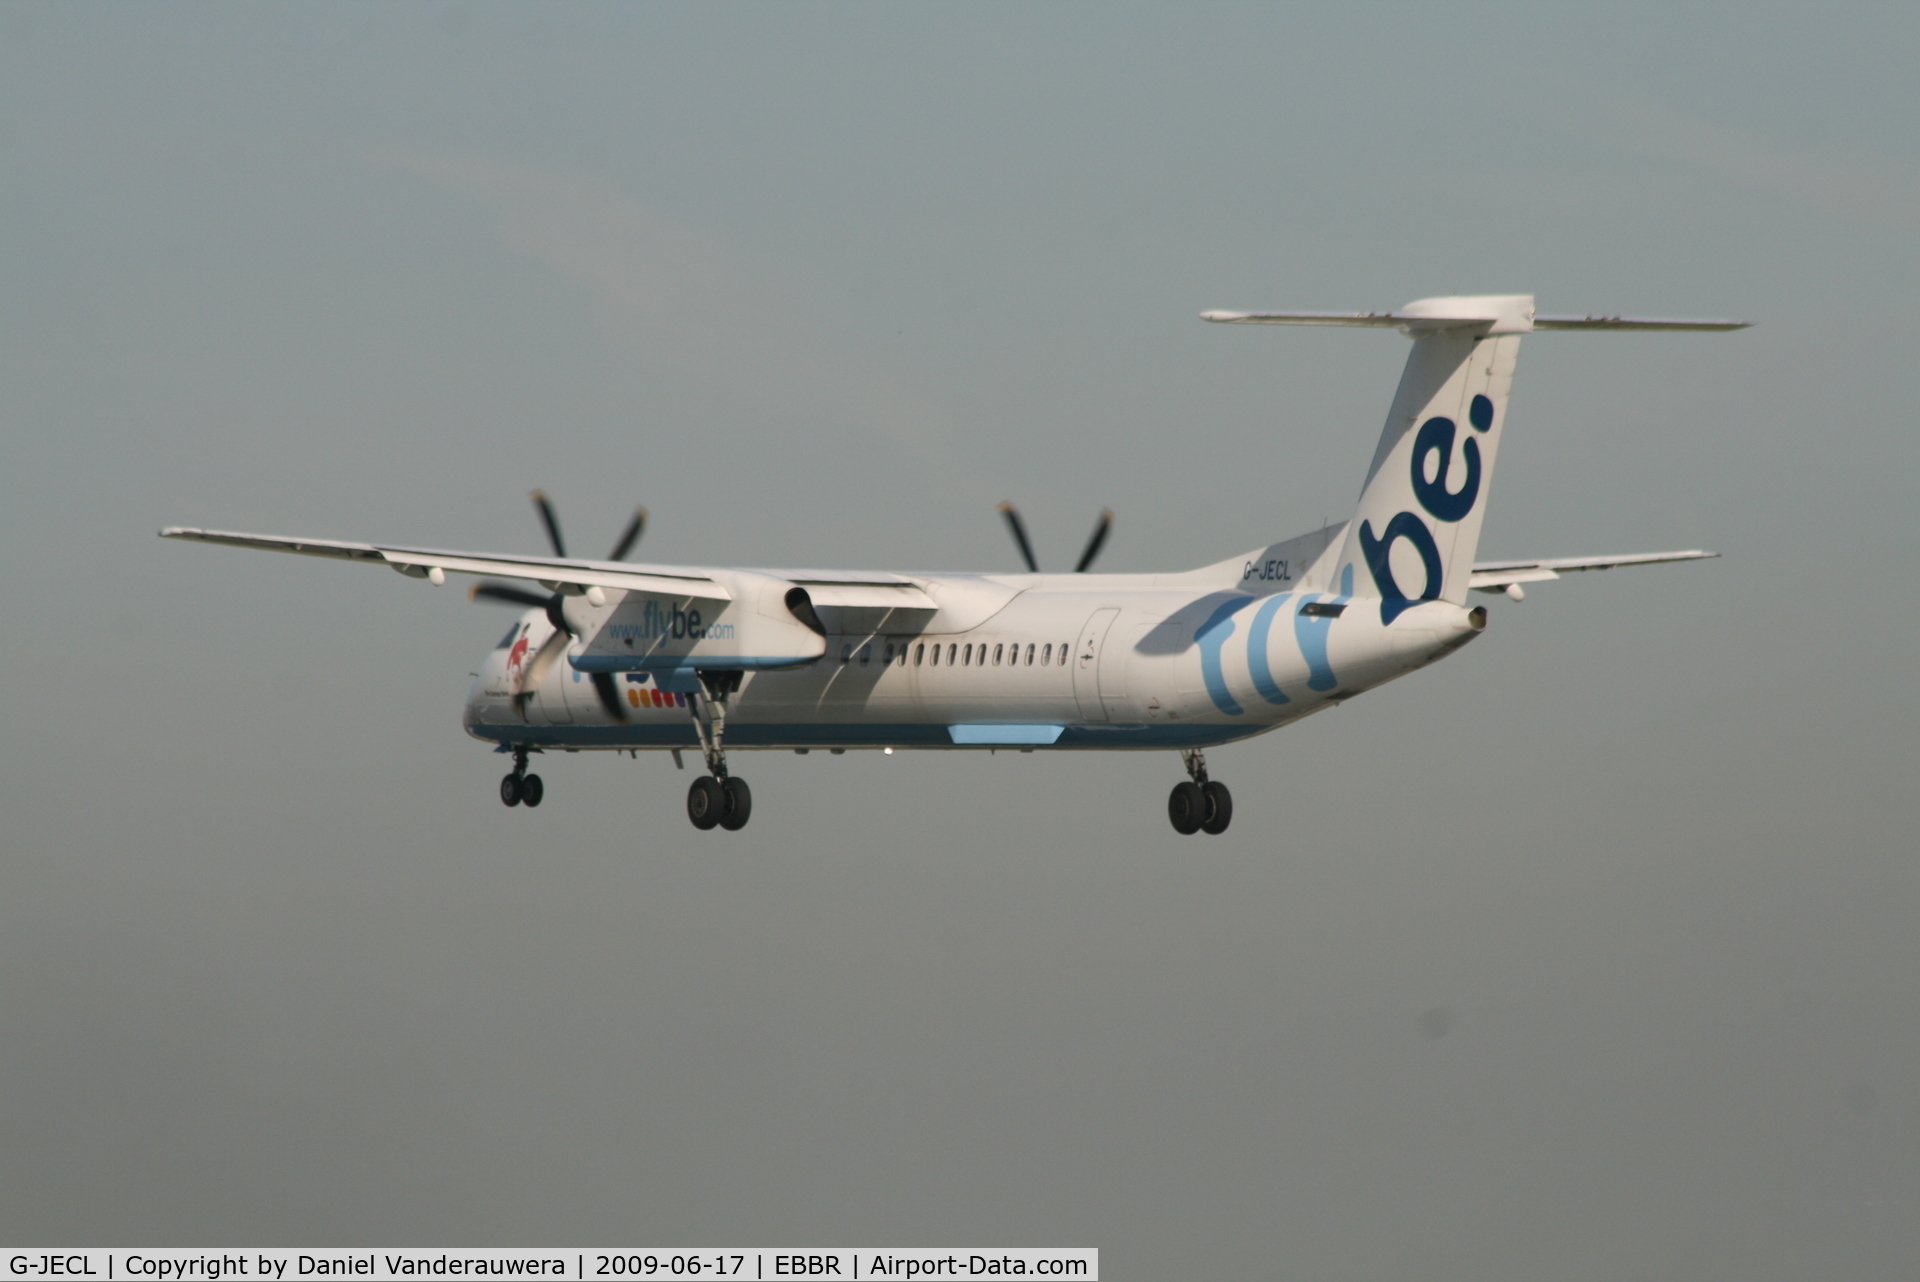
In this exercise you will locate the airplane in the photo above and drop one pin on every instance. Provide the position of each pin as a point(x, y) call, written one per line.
point(676, 658)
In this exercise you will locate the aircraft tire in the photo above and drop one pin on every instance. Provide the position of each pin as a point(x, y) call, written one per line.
point(532, 790)
point(1186, 807)
point(1219, 807)
point(737, 805)
point(705, 803)
point(510, 790)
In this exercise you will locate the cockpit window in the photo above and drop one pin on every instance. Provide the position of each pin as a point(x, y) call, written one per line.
point(507, 640)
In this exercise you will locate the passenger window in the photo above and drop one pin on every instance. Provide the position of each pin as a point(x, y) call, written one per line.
point(866, 652)
point(1029, 654)
point(1063, 654)
point(919, 653)
point(889, 655)
point(846, 653)
point(1046, 656)
point(966, 656)
point(953, 652)
point(936, 656)
point(996, 656)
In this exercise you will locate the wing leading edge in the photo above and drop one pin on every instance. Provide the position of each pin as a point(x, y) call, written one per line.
point(846, 589)
point(552, 572)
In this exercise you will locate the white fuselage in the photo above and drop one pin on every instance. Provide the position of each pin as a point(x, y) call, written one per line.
point(1045, 661)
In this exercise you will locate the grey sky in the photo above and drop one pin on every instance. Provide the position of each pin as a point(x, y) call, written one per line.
point(1588, 953)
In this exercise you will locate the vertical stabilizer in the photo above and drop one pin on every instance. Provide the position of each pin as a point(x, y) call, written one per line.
point(1414, 533)
point(1418, 524)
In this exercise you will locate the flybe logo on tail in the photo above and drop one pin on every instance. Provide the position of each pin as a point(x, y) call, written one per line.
point(1436, 437)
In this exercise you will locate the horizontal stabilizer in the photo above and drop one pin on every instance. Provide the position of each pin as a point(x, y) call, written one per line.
point(1414, 322)
point(1497, 576)
point(1357, 320)
point(1635, 322)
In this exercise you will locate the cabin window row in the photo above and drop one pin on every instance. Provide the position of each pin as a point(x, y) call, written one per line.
point(971, 654)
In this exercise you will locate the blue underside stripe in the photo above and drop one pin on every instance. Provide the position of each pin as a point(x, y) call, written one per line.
point(1006, 734)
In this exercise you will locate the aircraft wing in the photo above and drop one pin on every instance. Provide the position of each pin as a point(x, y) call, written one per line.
point(420, 562)
point(1497, 576)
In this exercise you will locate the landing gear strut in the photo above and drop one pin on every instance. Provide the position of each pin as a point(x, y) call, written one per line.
point(716, 799)
point(1199, 804)
point(520, 788)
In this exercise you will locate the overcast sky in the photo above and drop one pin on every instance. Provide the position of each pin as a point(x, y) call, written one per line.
point(1589, 953)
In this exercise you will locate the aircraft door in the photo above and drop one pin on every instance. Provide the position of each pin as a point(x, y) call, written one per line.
point(1087, 665)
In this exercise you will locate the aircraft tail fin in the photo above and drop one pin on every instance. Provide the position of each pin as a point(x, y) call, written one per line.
point(1417, 525)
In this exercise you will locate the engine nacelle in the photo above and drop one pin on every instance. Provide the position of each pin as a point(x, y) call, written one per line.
point(656, 632)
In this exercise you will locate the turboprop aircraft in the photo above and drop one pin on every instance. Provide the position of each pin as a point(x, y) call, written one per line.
point(673, 658)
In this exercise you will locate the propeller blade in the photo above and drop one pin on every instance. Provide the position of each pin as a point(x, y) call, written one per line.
point(489, 590)
point(1019, 535)
point(631, 536)
point(1094, 544)
point(536, 671)
point(551, 520)
point(609, 696)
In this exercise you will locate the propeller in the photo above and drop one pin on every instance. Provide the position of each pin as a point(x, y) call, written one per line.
point(489, 590)
point(609, 696)
point(563, 634)
point(550, 519)
point(1094, 544)
point(629, 536)
point(1097, 540)
point(1020, 535)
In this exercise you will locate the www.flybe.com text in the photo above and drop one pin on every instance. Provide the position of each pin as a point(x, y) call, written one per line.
point(666, 621)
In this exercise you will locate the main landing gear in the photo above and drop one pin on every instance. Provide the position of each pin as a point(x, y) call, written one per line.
point(716, 799)
point(521, 788)
point(1199, 804)
point(725, 803)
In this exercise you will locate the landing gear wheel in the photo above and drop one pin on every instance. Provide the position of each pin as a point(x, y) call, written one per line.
point(531, 790)
point(1186, 807)
point(705, 802)
point(1219, 807)
point(738, 803)
point(510, 790)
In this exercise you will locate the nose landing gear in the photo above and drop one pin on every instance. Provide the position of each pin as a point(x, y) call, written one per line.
point(520, 788)
point(1199, 804)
